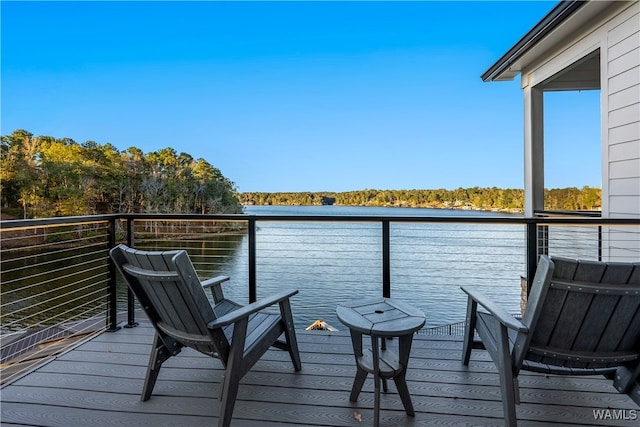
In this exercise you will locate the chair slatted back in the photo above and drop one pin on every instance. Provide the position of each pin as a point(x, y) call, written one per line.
point(588, 317)
point(168, 288)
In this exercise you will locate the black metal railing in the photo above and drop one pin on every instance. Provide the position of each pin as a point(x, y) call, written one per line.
point(57, 276)
point(55, 287)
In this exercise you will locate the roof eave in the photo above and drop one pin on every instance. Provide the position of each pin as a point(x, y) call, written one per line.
point(502, 70)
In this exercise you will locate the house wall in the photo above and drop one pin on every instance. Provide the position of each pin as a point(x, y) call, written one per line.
point(615, 34)
point(621, 114)
point(620, 96)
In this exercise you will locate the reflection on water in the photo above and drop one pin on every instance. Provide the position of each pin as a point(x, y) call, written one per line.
point(334, 262)
point(69, 283)
point(222, 254)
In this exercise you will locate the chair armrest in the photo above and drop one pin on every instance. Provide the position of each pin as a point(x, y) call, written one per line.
point(214, 281)
point(495, 310)
point(214, 285)
point(247, 310)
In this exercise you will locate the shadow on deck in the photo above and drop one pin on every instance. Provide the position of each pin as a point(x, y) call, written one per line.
point(99, 384)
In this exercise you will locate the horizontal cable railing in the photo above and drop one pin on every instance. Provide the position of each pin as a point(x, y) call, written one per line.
point(211, 244)
point(54, 290)
point(57, 281)
point(591, 240)
point(327, 261)
point(333, 259)
point(429, 263)
point(331, 262)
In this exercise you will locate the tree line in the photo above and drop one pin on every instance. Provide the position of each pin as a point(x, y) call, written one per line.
point(45, 176)
point(586, 198)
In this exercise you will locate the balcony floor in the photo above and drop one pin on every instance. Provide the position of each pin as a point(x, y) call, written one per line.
point(99, 384)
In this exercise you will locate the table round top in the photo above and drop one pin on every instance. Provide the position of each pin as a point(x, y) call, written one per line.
point(380, 316)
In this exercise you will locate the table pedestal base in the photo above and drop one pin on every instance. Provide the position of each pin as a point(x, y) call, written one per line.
point(383, 364)
point(381, 319)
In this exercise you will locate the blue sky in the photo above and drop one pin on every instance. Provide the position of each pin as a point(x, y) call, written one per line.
point(295, 96)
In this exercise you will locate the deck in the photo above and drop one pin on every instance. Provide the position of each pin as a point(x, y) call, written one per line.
point(99, 383)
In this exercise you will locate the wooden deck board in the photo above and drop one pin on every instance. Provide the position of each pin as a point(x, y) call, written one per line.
point(99, 383)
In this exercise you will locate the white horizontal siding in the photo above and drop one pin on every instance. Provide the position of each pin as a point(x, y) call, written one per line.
point(625, 28)
point(622, 205)
point(624, 151)
point(629, 168)
point(625, 80)
point(627, 114)
point(624, 133)
point(624, 63)
point(624, 98)
point(621, 243)
point(622, 123)
point(625, 46)
point(624, 186)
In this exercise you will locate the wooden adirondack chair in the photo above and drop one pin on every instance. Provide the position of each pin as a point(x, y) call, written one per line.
point(582, 318)
point(173, 298)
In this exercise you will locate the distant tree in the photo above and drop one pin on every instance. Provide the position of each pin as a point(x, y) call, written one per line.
point(47, 176)
point(476, 197)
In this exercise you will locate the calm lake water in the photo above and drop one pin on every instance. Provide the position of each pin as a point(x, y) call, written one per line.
point(328, 262)
point(334, 262)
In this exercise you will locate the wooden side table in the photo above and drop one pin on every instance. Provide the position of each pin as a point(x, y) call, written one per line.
point(381, 318)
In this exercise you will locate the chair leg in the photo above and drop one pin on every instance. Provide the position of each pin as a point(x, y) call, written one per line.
point(231, 384)
point(232, 374)
point(508, 397)
point(625, 377)
point(469, 331)
point(159, 354)
point(508, 381)
point(290, 335)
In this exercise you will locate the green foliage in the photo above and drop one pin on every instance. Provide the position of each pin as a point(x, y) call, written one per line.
point(43, 177)
point(48, 177)
point(461, 198)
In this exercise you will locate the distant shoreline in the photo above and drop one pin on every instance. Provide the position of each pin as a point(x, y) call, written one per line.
point(480, 199)
point(514, 211)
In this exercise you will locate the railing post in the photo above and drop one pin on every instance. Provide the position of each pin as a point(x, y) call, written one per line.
point(253, 294)
point(112, 303)
point(386, 259)
point(532, 252)
point(130, 232)
point(131, 308)
point(599, 243)
point(543, 240)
